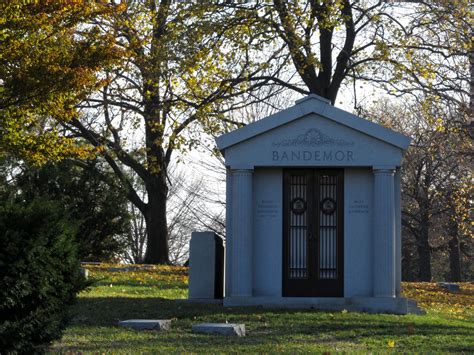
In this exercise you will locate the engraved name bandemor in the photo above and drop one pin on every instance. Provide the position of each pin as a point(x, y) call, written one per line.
point(313, 138)
point(313, 155)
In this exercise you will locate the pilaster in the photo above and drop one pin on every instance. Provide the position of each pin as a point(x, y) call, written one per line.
point(228, 234)
point(384, 233)
point(398, 234)
point(242, 215)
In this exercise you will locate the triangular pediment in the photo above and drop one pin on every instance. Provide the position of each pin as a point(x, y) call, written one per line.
point(313, 133)
point(313, 104)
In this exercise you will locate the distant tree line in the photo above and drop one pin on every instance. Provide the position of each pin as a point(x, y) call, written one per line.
point(437, 189)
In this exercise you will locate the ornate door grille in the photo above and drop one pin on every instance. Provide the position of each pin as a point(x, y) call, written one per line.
point(313, 232)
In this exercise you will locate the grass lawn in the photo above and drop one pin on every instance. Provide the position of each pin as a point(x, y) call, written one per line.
point(150, 293)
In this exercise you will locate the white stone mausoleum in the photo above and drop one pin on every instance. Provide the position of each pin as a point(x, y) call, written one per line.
point(313, 211)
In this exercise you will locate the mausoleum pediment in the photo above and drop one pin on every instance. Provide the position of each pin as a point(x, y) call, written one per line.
point(313, 133)
point(313, 104)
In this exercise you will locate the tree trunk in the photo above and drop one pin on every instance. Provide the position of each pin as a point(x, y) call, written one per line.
point(454, 256)
point(424, 249)
point(407, 260)
point(424, 260)
point(156, 222)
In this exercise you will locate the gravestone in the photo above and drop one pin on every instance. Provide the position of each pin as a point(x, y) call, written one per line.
point(451, 287)
point(206, 266)
point(146, 324)
point(85, 273)
point(220, 328)
point(313, 211)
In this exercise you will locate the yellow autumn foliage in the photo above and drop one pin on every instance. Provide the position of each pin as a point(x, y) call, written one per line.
point(141, 274)
point(433, 298)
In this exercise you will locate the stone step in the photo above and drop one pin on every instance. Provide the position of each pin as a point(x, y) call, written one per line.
point(413, 308)
point(220, 328)
point(146, 324)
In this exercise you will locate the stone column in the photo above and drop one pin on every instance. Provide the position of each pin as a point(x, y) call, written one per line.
point(384, 233)
point(398, 234)
point(228, 234)
point(242, 215)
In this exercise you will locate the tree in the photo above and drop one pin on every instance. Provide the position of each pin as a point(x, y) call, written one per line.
point(457, 227)
point(44, 71)
point(430, 53)
point(158, 67)
point(422, 183)
point(435, 180)
point(402, 47)
point(434, 59)
point(97, 210)
point(324, 42)
point(181, 62)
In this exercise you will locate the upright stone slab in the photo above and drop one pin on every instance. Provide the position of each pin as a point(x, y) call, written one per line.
point(85, 273)
point(206, 266)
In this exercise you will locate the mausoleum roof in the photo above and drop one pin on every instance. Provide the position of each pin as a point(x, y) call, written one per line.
point(313, 104)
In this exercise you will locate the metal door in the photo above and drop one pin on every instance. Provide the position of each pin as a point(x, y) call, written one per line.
point(313, 233)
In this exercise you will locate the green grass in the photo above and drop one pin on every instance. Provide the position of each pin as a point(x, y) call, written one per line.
point(447, 327)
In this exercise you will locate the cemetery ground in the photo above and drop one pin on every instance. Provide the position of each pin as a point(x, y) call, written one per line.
point(130, 292)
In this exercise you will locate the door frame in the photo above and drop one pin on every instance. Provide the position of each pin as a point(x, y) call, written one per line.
point(324, 287)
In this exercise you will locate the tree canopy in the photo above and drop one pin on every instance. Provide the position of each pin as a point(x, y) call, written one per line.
point(138, 82)
point(48, 62)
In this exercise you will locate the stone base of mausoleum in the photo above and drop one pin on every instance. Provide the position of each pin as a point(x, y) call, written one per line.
point(389, 305)
point(218, 301)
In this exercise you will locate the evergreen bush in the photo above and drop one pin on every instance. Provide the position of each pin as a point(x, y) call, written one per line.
point(98, 210)
point(39, 272)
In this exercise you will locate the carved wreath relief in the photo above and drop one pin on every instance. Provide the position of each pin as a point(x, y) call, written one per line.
point(313, 138)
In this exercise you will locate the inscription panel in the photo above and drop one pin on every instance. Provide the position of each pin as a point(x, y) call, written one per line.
point(359, 206)
point(267, 209)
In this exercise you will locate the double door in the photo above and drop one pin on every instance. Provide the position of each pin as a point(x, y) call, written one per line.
point(313, 233)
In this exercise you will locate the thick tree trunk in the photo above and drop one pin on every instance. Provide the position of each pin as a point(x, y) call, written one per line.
point(424, 249)
point(424, 260)
point(156, 222)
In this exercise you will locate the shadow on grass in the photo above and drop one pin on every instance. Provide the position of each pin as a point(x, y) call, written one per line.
point(265, 326)
point(106, 311)
point(133, 283)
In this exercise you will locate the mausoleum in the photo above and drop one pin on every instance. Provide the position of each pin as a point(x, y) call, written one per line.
point(313, 211)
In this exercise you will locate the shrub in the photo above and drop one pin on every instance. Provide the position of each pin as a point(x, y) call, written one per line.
point(99, 210)
point(39, 273)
